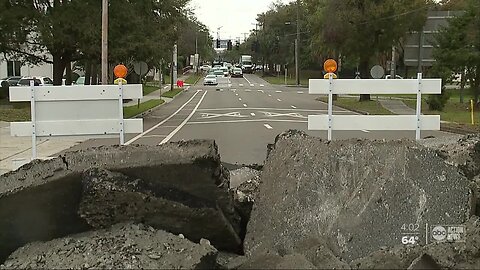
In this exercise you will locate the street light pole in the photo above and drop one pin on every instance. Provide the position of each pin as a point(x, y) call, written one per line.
point(105, 42)
point(297, 44)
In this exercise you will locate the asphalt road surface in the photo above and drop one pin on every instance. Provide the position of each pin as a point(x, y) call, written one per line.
point(242, 115)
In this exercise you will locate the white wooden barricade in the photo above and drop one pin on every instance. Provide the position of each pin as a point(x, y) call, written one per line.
point(79, 110)
point(416, 122)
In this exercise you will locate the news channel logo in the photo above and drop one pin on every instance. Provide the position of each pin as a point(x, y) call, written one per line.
point(447, 233)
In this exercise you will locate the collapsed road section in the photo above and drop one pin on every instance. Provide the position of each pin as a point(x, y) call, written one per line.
point(314, 204)
point(179, 187)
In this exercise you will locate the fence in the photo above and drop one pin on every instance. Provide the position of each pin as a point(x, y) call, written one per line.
point(415, 122)
point(75, 111)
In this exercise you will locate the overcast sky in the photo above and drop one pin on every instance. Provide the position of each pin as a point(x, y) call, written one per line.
point(236, 16)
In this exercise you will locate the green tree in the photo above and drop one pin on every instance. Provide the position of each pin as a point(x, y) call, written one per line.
point(362, 29)
point(458, 47)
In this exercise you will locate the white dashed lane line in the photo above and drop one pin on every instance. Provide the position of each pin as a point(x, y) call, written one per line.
point(300, 92)
point(269, 95)
point(293, 107)
point(261, 85)
point(267, 126)
point(240, 99)
point(244, 105)
point(248, 90)
point(252, 114)
point(278, 91)
point(279, 100)
point(240, 84)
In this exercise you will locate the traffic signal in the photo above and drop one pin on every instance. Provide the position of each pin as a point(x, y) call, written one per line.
point(229, 45)
point(237, 45)
point(218, 43)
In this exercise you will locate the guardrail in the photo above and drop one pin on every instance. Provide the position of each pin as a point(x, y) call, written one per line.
point(415, 122)
point(75, 111)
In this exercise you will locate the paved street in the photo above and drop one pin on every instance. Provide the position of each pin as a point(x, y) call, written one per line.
point(242, 115)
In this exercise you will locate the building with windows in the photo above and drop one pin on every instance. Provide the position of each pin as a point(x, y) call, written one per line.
point(10, 67)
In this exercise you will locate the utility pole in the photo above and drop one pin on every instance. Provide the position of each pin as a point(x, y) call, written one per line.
point(297, 44)
point(105, 42)
point(393, 64)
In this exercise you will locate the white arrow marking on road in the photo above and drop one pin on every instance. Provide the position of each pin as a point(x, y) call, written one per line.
point(268, 126)
point(216, 115)
point(244, 105)
point(279, 100)
point(278, 91)
point(296, 115)
point(293, 107)
point(252, 114)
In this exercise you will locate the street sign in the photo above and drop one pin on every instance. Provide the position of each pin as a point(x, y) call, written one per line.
point(141, 68)
point(377, 72)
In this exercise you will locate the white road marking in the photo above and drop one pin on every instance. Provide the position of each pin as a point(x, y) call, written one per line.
point(269, 95)
point(279, 100)
point(184, 121)
point(262, 85)
point(236, 94)
point(240, 84)
point(221, 90)
point(261, 91)
point(278, 91)
point(252, 85)
point(300, 92)
point(154, 136)
point(248, 90)
point(246, 121)
point(234, 89)
point(272, 114)
point(244, 105)
point(293, 107)
point(267, 126)
point(161, 123)
point(240, 99)
point(252, 114)
point(273, 109)
point(216, 115)
point(366, 131)
point(247, 80)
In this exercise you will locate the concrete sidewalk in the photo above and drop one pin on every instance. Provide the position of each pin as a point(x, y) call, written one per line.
point(16, 151)
point(396, 106)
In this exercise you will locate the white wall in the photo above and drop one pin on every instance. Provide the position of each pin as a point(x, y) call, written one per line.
point(28, 70)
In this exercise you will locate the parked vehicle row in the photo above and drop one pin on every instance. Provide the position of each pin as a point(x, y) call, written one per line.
point(25, 81)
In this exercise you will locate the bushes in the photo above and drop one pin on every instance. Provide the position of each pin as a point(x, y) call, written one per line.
point(438, 102)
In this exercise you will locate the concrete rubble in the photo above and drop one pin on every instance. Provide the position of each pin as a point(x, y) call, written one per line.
point(41, 201)
point(353, 195)
point(314, 204)
point(123, 246)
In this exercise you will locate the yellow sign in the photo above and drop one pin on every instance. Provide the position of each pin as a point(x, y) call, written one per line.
point(326, 76)
point(120, 79)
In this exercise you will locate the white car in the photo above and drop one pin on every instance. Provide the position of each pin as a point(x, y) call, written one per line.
point(210, 80)
point(205, 68)
point(39, 81)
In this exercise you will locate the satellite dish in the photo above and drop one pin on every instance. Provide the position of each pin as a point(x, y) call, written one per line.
point(141, 68)
point(377, 72)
